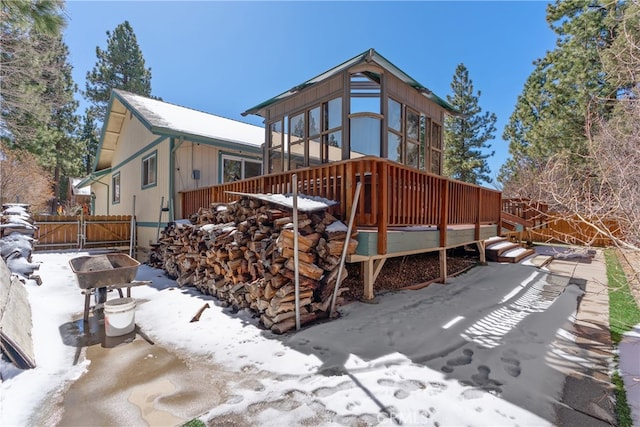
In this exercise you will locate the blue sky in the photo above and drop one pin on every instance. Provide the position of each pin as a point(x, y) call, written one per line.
point(225, 57)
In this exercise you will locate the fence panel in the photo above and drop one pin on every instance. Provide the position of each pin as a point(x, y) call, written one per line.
point(67, 232)
point(101, 230)
point(57, 231)
point(562, 229)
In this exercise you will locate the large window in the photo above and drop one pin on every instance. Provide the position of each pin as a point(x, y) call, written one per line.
point(436, 148)
point(307, 133)
point(307, 137)
point(413, 138)
point(394, 136)
point(150, 170)
point(364, 115)
point(276, 147)
point(236, 168)
point(115, 188)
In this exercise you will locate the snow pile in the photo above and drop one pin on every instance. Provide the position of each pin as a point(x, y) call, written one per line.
point(16, 244)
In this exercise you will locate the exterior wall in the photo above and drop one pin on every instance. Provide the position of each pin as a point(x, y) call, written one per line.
point(102, 200)
point(135, 143)
point(307, 97)
point(206, 159)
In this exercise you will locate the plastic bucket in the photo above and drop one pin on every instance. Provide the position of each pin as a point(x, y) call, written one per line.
point(119, 316)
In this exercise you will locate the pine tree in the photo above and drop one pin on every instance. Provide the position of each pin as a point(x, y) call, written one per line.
point(567, 86)
point(466, 136)
point(55, 143)
point(120, 66)
point(26, 29)
point(89, 137)
point(43, 16)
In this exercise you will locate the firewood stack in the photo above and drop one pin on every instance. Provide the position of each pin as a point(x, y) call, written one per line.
point(243, 254)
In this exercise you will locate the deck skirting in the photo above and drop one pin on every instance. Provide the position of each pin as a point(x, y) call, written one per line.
point(403, 241)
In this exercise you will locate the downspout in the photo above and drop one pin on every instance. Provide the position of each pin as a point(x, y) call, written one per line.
point(172, 152)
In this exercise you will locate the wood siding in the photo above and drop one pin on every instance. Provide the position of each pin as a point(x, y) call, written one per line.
point(408, 95)
point(307, 97)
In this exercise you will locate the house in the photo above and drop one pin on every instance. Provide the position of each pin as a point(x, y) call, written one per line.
point(150, 151)
point(366, 121)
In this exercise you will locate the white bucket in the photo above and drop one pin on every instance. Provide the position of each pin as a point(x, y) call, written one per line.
point(119, 316)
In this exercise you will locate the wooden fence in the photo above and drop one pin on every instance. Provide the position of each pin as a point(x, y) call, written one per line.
point(571, 230)
point(552, 227)
point(84, 231)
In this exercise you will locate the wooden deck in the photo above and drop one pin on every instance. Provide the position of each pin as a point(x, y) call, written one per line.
point(400, 210)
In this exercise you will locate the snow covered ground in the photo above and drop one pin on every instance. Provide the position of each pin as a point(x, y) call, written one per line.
point(298, 386)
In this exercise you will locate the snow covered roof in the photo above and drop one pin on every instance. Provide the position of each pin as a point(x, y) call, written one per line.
point(163, 118)
point(83, 191)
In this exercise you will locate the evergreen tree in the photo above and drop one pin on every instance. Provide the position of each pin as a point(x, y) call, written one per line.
point(89, 137)
point(466, 136)
point(622, 58)
point(566, 87)
point(120, 66)
point(55, 144)
point(44, 16)
point(26, 29)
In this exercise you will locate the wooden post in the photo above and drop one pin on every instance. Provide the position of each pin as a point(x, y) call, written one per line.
point(296, 260)
point(345, 247)
point(444, 212)
point(383, 207)
point(483, 254)
point(371, 271)
point(368, 293)
point(443, 265)
point(479, 214)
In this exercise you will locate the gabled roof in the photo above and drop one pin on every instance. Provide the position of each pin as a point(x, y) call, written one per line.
point(165, 119)
point(367, 56)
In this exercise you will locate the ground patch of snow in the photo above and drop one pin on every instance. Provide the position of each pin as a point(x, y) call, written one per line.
point(294, 386)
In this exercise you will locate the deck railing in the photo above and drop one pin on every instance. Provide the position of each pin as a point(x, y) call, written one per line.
point(392, 195)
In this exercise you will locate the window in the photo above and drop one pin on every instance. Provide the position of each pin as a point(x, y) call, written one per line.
point(306, 138)
point(412, 126)
point(436, 148)
point(364, 115)
point(115, 186)
point(394, 134)
point(297, 139)
point(332, 130)
point(149, 170)
point(276, 146)
point(236, 168)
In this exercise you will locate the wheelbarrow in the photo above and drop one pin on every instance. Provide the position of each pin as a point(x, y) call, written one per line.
point(102, 273)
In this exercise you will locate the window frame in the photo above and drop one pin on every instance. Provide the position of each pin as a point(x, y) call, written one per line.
point(116, 188)
point(242, 160)
point(284, 151)
point(144, 176)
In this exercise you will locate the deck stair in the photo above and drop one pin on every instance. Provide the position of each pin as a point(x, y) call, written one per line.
point(501, 249)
